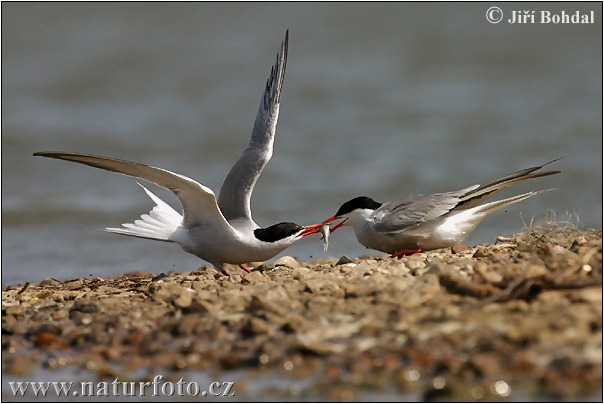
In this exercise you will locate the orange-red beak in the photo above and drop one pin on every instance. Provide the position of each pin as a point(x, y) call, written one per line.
point(311, 229)
point(337, 226)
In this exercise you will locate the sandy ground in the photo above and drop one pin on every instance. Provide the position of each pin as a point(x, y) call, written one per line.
point(480, 323)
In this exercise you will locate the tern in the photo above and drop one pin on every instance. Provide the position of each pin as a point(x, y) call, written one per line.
point(221, 230)
point(428, 222)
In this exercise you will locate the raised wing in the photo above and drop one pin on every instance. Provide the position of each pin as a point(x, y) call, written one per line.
point(198, 202)
point(236, 191)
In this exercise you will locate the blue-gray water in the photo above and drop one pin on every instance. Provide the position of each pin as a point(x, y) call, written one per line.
point(379, 99)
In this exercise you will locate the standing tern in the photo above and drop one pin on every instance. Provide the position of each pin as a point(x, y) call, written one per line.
point(217, 231)
point(427, 222)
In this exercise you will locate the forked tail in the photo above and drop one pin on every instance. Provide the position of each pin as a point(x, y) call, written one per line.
point(159, 224)
point(491, 207)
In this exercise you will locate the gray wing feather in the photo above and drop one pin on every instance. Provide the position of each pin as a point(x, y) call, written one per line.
point(198, 201)
point(236, 191)
point(476, 196)
point(414, 210)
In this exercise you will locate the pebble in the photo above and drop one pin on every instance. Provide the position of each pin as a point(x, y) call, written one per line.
point(85, 306)
point(415, 264)
point(253, 278)
point(457, 248)
point(288, 262)
point(343, 260)
point(50, 282)
point(301, 273)
point(482, 252)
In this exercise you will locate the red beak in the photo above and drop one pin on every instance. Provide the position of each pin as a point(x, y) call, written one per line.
point(311, 229)
point(337, 226)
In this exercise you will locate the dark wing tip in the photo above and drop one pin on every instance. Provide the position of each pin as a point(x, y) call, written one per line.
point(553, 161)
point(543, 165)
point(52, 154)
point(68, 155)
point(272, 92)
point(280, 70)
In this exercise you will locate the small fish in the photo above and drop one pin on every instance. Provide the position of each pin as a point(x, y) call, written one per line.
point(325, 232)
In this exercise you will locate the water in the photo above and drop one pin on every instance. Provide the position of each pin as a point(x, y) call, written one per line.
point(379, 99)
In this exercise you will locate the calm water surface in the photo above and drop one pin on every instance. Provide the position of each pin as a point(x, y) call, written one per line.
point(379, 99)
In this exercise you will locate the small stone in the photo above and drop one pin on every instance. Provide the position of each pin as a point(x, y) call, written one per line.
point(494, 277)
point(353, 291)
point(457, 248)
point(85, 306)
point(159, 277)
point(260, 304)
point(287, 261)
point(13, 310)
point(313, 286)
point(184, 300)
point(48, 340)
point(50, 282)
point(482, 252)
point(293, 323)
point(235, 278)
point(253, 277)
point(257, 326)
point(344, 260)
point(524, 361)
point(414, 264)
point(300, 273)
point(559, 249)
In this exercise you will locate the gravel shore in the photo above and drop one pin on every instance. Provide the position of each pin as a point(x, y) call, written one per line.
point(467, 323)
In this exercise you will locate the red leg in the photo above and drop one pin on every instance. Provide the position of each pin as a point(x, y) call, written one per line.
point(244, 268)
point(404, 253)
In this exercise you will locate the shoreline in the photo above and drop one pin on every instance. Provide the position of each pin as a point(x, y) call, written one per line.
point(446, 324)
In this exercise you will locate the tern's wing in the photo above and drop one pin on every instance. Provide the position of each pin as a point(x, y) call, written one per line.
point(236, 191)
point(476, 195)
point(411, 211)
point(198, 202)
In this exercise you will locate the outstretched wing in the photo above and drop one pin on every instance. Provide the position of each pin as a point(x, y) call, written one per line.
point(236, 191)
point(198, 201)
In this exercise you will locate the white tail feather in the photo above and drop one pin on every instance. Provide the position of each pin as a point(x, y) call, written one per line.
point(159, 224)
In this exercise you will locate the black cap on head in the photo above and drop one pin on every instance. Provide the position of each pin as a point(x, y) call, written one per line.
point(360, 202)
point(277, 232)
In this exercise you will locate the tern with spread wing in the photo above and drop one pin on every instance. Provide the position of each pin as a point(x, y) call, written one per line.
point(219, 230)
point(427, 222)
